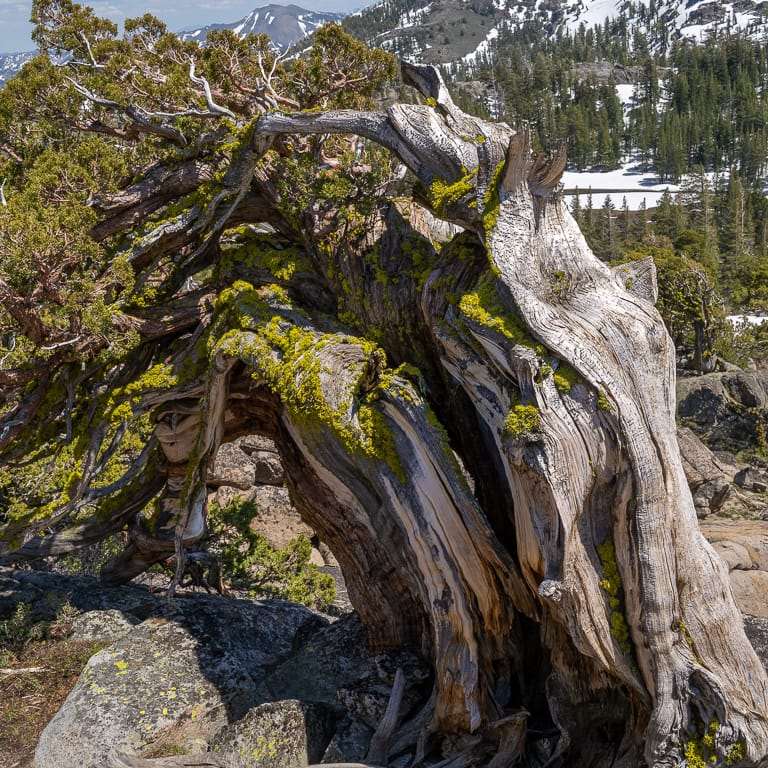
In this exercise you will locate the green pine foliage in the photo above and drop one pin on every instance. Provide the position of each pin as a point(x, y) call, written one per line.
point(250, 562)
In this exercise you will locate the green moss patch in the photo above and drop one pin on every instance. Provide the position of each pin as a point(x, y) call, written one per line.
point(522, 420)
point(483, 306)
point(612, 585)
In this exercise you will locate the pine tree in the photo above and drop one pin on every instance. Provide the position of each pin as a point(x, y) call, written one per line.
point(625, 222)
point(607, 234)
point(642, 230)
point(576, 207)
point(665, 217)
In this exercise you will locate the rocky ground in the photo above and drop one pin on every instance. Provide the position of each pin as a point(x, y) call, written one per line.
point(88, 670)
point(271, 680)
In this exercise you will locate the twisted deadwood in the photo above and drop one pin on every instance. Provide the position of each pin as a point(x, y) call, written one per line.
point(604, 468)
point(572, 610)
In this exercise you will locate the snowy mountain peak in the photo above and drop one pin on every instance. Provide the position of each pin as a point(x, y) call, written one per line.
point(285, 24)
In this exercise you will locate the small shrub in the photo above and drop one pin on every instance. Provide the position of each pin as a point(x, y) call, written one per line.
point(250, 561)
point(18, 630)
point(89, 561)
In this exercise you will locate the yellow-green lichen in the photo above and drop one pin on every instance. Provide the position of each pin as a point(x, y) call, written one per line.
point(443, 195)
point(560, 284)
point(544, 372)
point(257, 252)
point(611, 584)
point(703, 752)
point(603, 403)
point(482, 306)
point(686, 635)
point(287, 357)
point(522, 420)
point(491, 201)
point(565, 378)
point(157, 378)
point(735, 754)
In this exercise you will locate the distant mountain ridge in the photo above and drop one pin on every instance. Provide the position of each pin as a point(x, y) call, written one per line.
point(11, 63)
point(463, 31)
point(285, 24)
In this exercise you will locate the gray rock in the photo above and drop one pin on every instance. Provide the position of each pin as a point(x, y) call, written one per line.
point(276, 518)
point(47, 592)
point(101, 626)
point(750, 589)
point(254, 443)
point(724, 408)
point(281, 734)
point(710, 496)
point(752, 480)
point(336, 668)
point(266, 460)
point(747, 540)
point(757, 632)
point(707, 477)
point(743, 546)
point(350, 743)
point(267, 468)
point(199, 661)
point(232, 467)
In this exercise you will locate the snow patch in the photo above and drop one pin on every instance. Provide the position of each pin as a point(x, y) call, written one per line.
point(625, 182)
point(737, 320)
point(482, 48)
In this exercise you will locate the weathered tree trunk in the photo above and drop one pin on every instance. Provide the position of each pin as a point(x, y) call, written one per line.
point(607, 543)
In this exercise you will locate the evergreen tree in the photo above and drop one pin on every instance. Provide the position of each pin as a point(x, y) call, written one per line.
point(625, 222)
point(607, 234)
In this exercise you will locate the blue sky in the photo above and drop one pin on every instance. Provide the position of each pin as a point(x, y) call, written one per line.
point(15, 27)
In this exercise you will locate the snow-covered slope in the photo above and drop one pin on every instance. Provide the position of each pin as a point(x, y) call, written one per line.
point(692, 19)
point(11, 63)
point(453, 31)
point(285, 24)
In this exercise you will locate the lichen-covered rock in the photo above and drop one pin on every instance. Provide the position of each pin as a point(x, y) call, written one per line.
point(724, 408)
point(280, 734)
point(232, 467)
point(197, 661)
point(101, 626)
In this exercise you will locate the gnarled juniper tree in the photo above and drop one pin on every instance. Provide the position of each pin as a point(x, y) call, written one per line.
point(479, 420)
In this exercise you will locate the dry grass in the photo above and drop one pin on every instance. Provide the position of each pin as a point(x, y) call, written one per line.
point(28, 700)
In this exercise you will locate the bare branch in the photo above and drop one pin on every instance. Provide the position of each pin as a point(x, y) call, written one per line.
point(95, 64)
point(379, 747)
point(140, 118)
point(212, 105)
point(22, 671)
